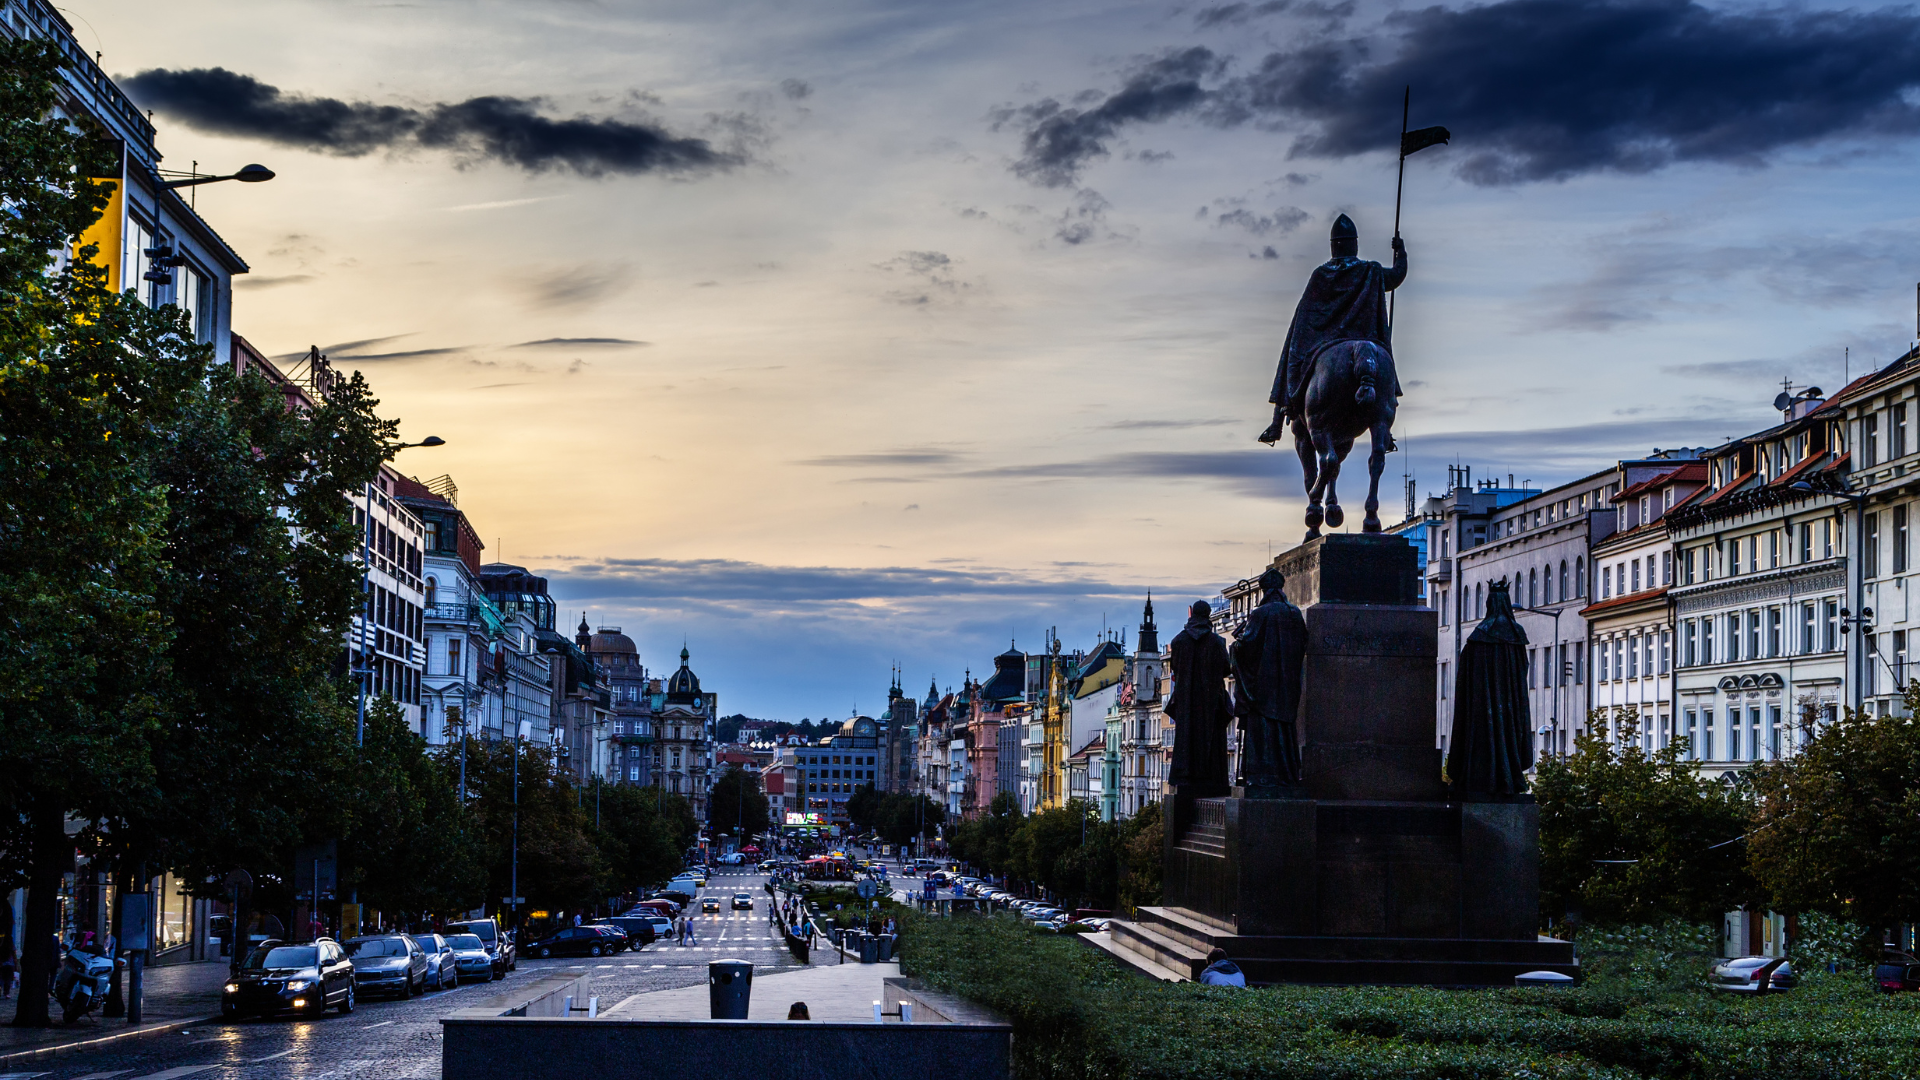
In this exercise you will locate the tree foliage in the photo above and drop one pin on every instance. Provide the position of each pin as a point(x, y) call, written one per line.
point(643, 836)
point(736, 802)
point(1837, 827)
point(1628, 836)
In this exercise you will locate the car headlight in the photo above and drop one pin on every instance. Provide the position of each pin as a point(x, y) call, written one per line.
point(299, 984)
point(232, 988)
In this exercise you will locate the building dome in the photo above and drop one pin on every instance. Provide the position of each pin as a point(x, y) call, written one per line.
point(609, 640)
point(861, 727)
point(683, 684)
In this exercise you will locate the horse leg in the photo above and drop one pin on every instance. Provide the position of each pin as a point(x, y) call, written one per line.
point(1331, 453)
point(1376, 461)
point(1303, 447)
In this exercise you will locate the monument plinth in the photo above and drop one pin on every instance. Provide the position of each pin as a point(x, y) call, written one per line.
point(1375, 875)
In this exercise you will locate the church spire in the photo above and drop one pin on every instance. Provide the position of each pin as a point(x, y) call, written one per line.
point(1149, 634)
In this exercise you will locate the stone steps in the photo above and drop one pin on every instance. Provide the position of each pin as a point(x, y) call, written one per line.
point(1160, 953)
point(1204, 839)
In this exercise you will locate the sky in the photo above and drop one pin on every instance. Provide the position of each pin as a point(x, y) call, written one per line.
point(825, 337)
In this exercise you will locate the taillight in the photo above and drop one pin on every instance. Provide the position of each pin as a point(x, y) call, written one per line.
point(1755, 977)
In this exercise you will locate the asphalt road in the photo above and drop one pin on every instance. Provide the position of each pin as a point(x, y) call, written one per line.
point(396, 1040)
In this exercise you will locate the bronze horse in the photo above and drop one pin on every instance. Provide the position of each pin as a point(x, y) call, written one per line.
point(1350, 394)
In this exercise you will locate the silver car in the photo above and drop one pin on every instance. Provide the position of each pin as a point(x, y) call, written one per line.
point(440, 961)
point(389, 964)
point(472, 961)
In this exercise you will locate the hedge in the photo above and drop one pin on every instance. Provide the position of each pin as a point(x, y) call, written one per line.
point(1643, 1011)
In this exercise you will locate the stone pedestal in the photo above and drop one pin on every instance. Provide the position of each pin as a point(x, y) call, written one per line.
point(1373, 875)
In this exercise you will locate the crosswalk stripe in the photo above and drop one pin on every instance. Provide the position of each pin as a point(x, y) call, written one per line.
point(177, 1071)
point(270, 1057)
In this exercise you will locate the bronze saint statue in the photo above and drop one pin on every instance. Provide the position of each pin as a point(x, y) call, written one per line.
point(1268, 655)
point(1336, 380)
point(1199, 706)
point(1491, 748)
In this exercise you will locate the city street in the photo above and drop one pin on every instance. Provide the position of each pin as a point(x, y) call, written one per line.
point(388, 1040)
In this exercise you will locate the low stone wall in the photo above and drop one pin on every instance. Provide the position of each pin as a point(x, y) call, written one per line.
point(515, 1048)
point(547, 996)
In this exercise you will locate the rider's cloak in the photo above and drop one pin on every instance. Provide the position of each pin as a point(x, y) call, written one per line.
point(1345, 300)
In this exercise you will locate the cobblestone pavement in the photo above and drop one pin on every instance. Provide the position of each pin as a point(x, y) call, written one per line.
point(398, 1040)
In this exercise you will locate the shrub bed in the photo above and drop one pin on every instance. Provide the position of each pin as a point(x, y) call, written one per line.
point(1643, 1012)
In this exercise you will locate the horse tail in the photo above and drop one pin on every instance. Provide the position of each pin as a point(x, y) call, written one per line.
point(1363, 394)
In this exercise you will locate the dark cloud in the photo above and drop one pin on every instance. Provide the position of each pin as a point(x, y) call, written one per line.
point(1143, 425)
point(252, 281)
point(578, 285)
point(410, 354)
point(1058, 141)
point(795, 89)
point(1283, 221)
point(902, 457)
point(1726, 369)
point(496, 128)
point(566, 342)
point(1533, 89)
point(931, 274)
point(722, 580)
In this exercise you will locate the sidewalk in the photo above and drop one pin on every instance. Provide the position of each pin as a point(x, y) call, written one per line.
point(842, 993)
point(175, 996)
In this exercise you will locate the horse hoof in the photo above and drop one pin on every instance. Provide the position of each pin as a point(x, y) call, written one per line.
point(1336, 516)
point(1314, 518)
point(1372, 524)
point(1312, 534)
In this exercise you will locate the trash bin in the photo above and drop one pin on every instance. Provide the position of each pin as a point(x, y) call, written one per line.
point(886, 947)
point(869, 948)
point(729, 986)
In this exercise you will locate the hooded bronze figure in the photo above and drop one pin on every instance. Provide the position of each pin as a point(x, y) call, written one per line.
point(1268, 654)
point(1491, 748)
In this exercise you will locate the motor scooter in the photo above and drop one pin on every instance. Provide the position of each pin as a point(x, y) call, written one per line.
point(82, 983)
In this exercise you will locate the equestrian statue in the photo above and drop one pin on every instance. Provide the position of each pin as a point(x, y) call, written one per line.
point(1336, 381)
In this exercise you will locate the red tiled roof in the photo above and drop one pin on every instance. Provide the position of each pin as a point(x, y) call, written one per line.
point(1728, 488)
point(1618, 602)
point(1691, 470)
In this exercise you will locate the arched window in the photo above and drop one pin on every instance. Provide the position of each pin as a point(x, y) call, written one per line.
point(430, 590)
point(1563, 579)
point(1580, 576)
point(1479, 601)
point(1533, 588)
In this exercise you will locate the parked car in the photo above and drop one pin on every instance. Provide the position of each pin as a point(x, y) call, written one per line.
point(572, 941)
point(742, 902)
point(499, 945)
point(617, 939)
point(1897, 971)
point(709, 903)
point(658, 905)
point(278, 978)
point(471, 960)
point(440, 961)
point(388, 964)
point(662, 927)
point(639, 929)
point(1742, 974)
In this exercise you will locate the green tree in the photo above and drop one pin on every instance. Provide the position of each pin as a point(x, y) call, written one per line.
point(736, 802)
point(642, 837)
point(903, 817)
point(863, 808)
point(1143, 859)
point(985, 840)
point(1835, 828)
point(409, 847)
point(90, 383)
point(559, 865)
point(1628, 836)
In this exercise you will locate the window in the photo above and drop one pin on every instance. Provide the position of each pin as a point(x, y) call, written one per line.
point(1774, 627)
point(1636, 575)
point(1753, 633)
point(1870, 546)
point(1563, 579)
point(1773, 733)
point(1806, 542)
point(1606, 582)
point(1706, 640)
point(1606, 661)
point(1897, 432)
point(1733, 637)
point(1666, 568)
point(1900, 539)
point(1689, 722)
point(1832, 640)
point(1666, 652)
point(1870, 440)
point(1899, 660)
point(1633, 657)
point(430, 592)
point(1533, 588)
point(1686, 566)
point(1580, 570)
point(1689, 644)
point(453, 657)
point(1826, 538)
point(1807, 639)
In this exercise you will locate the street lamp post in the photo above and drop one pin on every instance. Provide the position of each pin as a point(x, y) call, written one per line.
point(1553, 720)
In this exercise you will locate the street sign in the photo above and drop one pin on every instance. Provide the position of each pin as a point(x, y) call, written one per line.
point(514, 900)
point(865, 888)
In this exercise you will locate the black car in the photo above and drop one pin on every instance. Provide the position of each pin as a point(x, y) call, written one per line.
point(639, 929)
point(574, 941)
point(298, 978)
point(619, 940)
point(1897, 972)
point(389, 964)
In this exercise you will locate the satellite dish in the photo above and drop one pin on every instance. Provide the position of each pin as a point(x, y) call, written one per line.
point(1783, 402)
point(1811, 392)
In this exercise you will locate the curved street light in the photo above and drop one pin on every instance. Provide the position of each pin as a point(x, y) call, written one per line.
point(250, 174)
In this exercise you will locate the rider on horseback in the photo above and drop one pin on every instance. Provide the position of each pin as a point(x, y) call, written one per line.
point(1345, 300)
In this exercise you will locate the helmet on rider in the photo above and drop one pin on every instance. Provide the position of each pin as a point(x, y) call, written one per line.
point(1345, 237)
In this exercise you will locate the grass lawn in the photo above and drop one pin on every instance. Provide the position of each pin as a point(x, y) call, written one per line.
point(1642, 1011)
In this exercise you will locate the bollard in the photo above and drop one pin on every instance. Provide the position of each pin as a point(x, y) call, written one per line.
point(729, 988)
